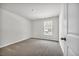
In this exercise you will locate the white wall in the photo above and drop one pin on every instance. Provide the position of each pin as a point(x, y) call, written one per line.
point(13, 28)
point(38, 28)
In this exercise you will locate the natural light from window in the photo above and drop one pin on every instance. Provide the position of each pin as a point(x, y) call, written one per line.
point(48, 27)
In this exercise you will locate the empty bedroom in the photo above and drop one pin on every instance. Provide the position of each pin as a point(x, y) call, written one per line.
point(30, 29)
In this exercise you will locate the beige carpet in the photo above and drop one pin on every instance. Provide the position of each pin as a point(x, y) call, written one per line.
point(32, 47)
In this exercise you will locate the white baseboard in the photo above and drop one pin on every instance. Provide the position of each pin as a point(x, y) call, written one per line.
point(45, 39)
point(13, 42)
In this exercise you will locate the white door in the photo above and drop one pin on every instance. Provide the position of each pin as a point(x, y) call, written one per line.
point(72, 35)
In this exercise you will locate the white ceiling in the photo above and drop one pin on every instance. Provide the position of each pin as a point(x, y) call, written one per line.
point(34, 10)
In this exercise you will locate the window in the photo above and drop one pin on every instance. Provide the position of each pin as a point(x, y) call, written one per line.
point(48, 27)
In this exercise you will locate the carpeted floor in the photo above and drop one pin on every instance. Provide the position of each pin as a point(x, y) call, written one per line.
point(32, 47)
